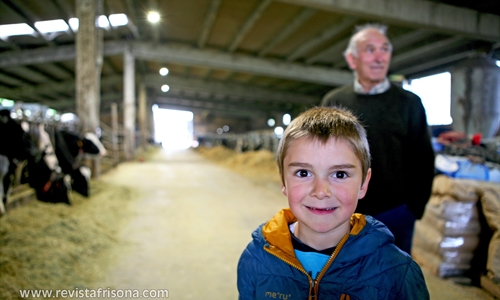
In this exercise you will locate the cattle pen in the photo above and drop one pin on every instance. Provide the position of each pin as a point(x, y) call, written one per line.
point(174, 221)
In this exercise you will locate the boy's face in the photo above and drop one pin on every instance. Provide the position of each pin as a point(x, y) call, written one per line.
point(323, 183)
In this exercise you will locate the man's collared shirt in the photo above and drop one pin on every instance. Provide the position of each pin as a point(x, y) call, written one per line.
point(378, 89)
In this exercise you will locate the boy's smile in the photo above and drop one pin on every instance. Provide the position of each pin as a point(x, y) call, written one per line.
point(323, 182)
point(320, 211)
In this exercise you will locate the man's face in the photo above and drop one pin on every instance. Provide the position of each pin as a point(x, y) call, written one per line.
point(373, 59)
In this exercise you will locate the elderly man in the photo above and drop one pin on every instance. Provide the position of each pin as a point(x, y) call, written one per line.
point(400, 143)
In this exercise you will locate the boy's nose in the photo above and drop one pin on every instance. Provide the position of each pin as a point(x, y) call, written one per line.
point(321, 189)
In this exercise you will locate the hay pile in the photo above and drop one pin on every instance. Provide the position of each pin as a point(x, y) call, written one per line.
point(260, 166)
point(56, 246)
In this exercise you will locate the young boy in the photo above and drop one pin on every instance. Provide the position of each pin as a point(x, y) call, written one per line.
point(319, 248)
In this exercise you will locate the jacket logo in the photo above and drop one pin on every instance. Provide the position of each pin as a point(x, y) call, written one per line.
point(276, 295)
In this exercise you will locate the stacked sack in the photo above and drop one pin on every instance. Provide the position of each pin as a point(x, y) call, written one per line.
point(460, 231)
point(489, 195)
point(447, 236)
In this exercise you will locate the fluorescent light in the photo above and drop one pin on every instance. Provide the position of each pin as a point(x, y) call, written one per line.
point(153, 17)
point(16, 29)
point(51, 26)
point(118, 19)
point(165, 88)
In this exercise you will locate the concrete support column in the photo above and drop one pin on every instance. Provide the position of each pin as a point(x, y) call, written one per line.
point(475, 97)
point(129, 103)
point(142, 117)
point(151, 121)
point(114, 133)
point(87, 66)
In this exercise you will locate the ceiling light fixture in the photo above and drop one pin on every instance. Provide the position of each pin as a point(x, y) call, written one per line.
point(163, 71)
point(153, 17)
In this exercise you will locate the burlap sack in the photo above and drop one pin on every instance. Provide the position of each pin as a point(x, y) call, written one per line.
point(429, 238)
point(436, 265)
point(460, 189)
point(462, 225)
point(450, 209)
point(489, 195)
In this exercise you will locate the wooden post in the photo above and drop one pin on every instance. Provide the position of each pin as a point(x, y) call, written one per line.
point(88, 66)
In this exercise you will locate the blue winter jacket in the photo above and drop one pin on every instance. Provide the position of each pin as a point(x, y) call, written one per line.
point(365, 265)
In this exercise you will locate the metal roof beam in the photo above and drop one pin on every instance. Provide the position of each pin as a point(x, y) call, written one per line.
point(325, 35)
point(303, 16)
point(208, 22)
point(254, 17)
point(428, 49)
point(178, 53)
point(335, 51)
point(232, 89)
point(416, 13)
point(438, 62)
point(241, 63)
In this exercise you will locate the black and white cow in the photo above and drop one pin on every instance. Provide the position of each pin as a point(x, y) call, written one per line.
point(69, 149)
point(44, 173)
point(16, 146)
point(4, 170)
point(41, 171)
point(52, 169)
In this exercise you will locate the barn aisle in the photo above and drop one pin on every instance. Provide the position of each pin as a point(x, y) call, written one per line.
point(191, 221)
point(190, 224)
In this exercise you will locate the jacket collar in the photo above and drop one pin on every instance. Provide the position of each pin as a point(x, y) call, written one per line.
point(278, 236)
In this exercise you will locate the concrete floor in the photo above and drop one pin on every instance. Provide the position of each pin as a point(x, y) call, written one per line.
point(191, 223)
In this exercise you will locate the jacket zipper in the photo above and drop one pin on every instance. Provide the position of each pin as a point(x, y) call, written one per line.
point(329, 262)
point(311, 281)
point(313, 284)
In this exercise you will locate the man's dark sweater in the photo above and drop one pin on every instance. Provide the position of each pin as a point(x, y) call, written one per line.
point(400, 145)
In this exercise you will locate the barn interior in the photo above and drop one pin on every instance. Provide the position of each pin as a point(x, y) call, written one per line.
point(237, 71)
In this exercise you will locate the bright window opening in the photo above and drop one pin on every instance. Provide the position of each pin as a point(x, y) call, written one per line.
point(102, 22)
point(15, 29)
point(118, 20)
point(51, 26)
point(435, 92)
point(173, 128)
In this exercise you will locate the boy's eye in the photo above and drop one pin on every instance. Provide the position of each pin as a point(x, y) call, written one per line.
point(340, 175)
point(302, 173)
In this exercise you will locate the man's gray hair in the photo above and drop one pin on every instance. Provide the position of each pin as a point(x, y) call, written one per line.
point(353, 42)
